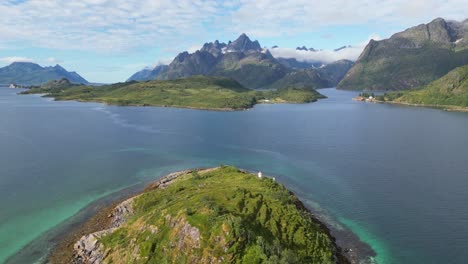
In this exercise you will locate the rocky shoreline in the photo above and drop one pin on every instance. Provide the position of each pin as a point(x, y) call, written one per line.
point(84, 249)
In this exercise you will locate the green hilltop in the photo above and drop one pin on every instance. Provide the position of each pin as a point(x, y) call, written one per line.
point(449, 91)
point(202, 92)
point(221, 215)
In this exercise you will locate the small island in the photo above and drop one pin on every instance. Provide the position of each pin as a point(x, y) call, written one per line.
point(216, 215)
point(197, 92)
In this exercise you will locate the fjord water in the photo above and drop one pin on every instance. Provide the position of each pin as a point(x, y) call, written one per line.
point(396, 176)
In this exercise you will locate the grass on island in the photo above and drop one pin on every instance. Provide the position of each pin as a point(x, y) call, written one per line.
point(219, 216)
point(450, 91)
point(194, 92)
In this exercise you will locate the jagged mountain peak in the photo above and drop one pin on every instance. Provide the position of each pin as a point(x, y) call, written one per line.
point(181, 56)
point(215, 48)
point(243, 43)
point(304, 48)
point(342, 48)
point(438, 31)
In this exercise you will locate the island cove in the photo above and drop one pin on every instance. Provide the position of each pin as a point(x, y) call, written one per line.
point(197, 92)
point(216, 215)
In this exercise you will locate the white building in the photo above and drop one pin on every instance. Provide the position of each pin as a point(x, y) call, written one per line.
point(260, 174)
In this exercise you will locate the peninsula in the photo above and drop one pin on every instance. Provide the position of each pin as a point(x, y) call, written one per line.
point(199, 92)
point(217, 215)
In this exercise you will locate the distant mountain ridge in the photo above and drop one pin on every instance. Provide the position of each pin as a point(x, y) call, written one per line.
point(28, 73)
point(410, 58)
point(147, 74)
point(248, 63)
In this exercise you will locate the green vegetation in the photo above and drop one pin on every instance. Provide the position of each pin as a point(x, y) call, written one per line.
point(409, 59)
point(408, 68)
point(449, 91)
point(290, 95)
point(194, 92)
point(220, 215)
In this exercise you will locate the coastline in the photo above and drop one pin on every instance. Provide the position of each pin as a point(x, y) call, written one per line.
point(449, 108)
point(223, 109)
point(113, 215)
point(142, 105)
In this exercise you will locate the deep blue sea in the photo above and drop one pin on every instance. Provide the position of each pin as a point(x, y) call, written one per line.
point(396, 176)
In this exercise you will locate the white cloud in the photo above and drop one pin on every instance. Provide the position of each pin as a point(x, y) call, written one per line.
point(325, 56)
point(125, 25)
point(9, 60)
point(283, 18)
point(164, 61)
point(52, 60)
point(102, 25)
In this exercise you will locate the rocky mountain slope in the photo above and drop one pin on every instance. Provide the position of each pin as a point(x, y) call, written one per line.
point(410, 58)
point(219, 215)
point(147, 74)
point(245, 61)
point(27, 73)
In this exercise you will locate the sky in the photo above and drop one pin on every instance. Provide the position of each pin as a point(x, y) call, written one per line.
point(106, 41)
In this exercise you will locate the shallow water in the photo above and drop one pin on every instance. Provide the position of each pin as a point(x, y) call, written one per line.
point(397, 176)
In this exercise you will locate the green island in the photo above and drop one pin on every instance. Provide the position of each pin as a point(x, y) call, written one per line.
point(449, 92)
point(200, 92)
point(217, 215)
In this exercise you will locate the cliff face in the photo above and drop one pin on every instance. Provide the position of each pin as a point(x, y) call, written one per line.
point(410, 58)
point(220, 215)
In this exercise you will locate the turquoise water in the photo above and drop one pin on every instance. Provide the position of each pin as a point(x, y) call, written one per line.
point(396, 176)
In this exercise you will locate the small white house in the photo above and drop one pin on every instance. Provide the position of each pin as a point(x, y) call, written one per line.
point(260, 174)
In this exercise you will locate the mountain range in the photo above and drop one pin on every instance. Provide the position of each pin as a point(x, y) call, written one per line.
point(411, 58)
point(27, 73)
point(248, 63)
point(407, 60)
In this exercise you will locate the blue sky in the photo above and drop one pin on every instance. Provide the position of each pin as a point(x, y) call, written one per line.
point(108, 40)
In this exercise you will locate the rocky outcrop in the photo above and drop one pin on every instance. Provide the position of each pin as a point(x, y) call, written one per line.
point(88, 249)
